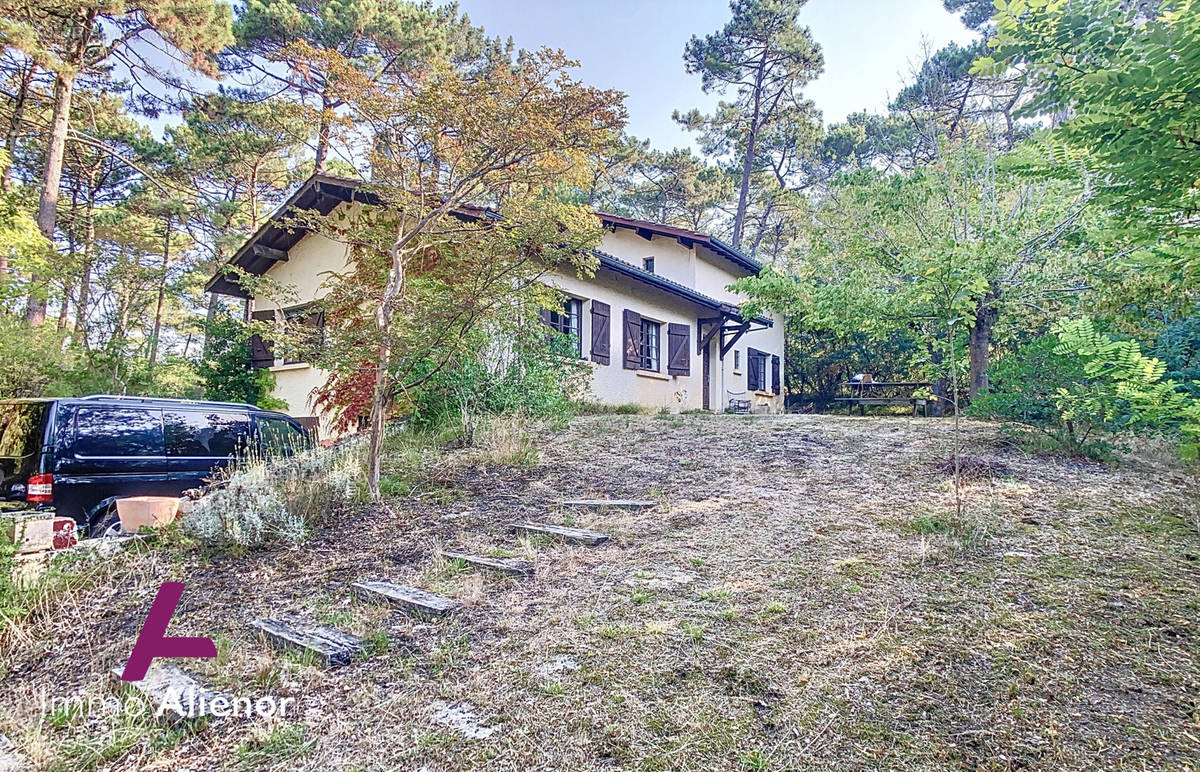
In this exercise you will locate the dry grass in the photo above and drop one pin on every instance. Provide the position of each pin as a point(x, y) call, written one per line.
point(804, 598)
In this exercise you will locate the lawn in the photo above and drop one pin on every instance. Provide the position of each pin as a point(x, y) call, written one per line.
point(803, 596)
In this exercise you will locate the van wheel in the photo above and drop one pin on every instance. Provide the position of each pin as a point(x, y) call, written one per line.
point(108, 524)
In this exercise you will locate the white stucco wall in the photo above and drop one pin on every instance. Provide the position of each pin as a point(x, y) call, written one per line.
point(316, 257)
point(612, 384)
point(310, 264)
point(671, 259)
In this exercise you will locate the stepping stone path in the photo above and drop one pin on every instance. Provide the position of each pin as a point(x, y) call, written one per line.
point(576, 535)
point(611, 503)
point(419, 602)
point(511, 566)
point(332, 647)
point(166, 684)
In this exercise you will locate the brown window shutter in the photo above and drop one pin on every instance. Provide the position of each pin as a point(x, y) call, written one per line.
point(262, 353)
point(679, 339)
point(632, 339)
point(601, 348)
point(753, 373)
point(776, 385)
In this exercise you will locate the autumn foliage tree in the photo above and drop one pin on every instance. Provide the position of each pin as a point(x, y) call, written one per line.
point(469, 201)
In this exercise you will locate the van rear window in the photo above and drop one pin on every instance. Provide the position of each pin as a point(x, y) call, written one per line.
point(110, 431)
point(21, 428)
point(205, 434)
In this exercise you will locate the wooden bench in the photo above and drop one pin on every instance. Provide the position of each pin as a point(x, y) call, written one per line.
point(874, 394)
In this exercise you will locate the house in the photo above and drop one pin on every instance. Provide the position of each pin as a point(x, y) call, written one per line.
point(657, 321)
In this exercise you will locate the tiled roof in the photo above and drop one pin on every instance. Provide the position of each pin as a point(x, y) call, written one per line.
point(323, 192)
point(631, 271)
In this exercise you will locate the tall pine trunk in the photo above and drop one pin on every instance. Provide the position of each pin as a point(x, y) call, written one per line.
point(64, 86)
point(85, 275)
point(739, 219)
point(323, 127)
point(162, 291)
point(10, 139)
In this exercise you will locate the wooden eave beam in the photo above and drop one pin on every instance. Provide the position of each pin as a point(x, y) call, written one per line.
point(269, 253)
point(737, 333)
point(644, 233)
point(715, 322)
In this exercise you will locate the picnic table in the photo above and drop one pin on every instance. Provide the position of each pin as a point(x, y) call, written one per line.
point(863, 393)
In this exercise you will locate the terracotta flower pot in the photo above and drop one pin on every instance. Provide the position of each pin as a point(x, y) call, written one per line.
point(146, 511)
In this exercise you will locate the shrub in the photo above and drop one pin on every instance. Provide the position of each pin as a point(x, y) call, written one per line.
point(525, 376)
point(225, 368)
point(276, 500)
point(1084, 390)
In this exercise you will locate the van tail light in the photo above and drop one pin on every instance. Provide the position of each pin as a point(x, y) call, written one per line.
point(40, 488)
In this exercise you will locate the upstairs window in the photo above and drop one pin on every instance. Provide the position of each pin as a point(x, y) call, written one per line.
point(649, 345)
point(648, 264)
point(567, 321)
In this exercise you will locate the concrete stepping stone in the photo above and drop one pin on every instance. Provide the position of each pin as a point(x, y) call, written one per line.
point(576, 535)
point(462, 719)
point(10, 759)
point(333, 648)
point(174, 692)
point(611, 503)
point(419, 602)
point(511, 566)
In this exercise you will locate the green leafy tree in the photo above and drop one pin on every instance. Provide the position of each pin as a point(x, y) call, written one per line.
point(380, 38)
point(1122, 81)
point(1085, 390)
point(471, 200)
point(223, 370)
point(674, 188)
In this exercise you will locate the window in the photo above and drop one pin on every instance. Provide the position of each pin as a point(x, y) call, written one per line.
point(567, 322)
point(737, 360)
point(648, 264)
point(199, 434)
point(102, 431)
point(280, 437)
point(21, 428)
point(310, 333)
point(756, 370)
point(649, 345)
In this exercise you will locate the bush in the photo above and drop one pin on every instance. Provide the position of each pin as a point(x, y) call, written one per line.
point(526, 378)
point(225, 369)
point(276, 500)
point(1084, 390)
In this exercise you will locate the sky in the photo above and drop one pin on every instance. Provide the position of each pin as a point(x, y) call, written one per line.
point(636, 46)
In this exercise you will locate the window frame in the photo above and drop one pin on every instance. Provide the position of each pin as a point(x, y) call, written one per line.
point(569, 321)
point(650, 346)
point(299, 315)
point(756, 364)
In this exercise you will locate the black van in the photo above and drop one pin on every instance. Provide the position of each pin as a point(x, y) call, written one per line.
point(79, 455)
